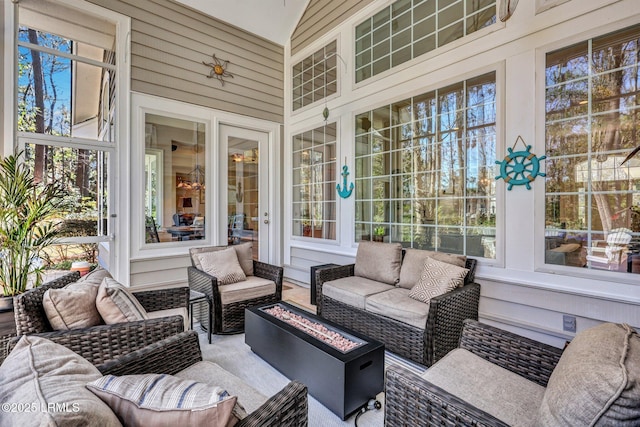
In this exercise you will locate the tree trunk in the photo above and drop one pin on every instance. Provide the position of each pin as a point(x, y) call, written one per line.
point(38, 88)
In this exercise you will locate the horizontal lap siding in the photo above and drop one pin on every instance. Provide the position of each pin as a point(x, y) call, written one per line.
point(170, 41)
point(321, 17)
point(302, 260)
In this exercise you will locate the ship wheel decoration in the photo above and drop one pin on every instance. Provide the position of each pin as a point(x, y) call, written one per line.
point(520, 167)
point(218, 69)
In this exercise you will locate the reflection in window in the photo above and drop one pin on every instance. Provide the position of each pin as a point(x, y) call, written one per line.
point(424, 170)
point(315, 77)
point(401, 32)
point(62, 88)
point(154, 185)
point(174, 185)
point(314, 183)
point(592, 213)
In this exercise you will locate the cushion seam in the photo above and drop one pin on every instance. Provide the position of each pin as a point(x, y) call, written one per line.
point(36, 380)
point(625, 376)
point(55, 306)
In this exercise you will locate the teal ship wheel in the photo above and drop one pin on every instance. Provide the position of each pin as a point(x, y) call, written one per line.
point(520, 167)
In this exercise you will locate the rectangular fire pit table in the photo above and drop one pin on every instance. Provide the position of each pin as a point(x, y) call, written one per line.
point(341, 381)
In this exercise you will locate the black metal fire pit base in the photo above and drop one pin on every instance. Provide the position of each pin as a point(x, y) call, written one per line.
point(343, 382)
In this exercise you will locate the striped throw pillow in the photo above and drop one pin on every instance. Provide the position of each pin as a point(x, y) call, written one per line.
point(437, 278)
point(160, 399)
point(116, 304)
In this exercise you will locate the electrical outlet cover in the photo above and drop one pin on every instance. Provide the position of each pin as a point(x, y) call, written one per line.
point(568, 323)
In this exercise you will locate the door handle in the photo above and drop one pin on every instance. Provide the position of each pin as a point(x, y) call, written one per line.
point(266, 221)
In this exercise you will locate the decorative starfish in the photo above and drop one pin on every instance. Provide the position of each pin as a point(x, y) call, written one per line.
point(218, 69)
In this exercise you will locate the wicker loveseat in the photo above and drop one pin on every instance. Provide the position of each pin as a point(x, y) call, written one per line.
point(420, 332)
point(102, 342)
point(497, 378)
point(60, 379)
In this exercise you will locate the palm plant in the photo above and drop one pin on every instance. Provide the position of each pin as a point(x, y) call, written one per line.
point(27, 224)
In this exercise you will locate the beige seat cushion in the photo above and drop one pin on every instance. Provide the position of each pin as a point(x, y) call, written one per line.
point(244, 252)
point(596, 381)
point(353, 290)
point(252, 287)
point(211, 373)
point(379, 261)
point(72, 307)
point(223, 265)
point(413, 264)
point(396, 304)
point(437, 279)
point(180, 311)
point(164, 400)
point(116, 304)
point(491, 388)
point(48, 381)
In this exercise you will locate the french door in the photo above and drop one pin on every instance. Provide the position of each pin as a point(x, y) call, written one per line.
point(244, 184)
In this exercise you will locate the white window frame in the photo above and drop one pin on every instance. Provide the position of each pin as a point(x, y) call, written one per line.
point(499, 226)
point(113, 253)
point(141, 106)
point(576, 274)
point(465, 38)
point(338, 169)
point(159, 169)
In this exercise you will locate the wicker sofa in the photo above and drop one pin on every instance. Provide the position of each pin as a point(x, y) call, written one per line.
point(103, 342)
point(497, 378)
point(61, 377)
point(429, 334)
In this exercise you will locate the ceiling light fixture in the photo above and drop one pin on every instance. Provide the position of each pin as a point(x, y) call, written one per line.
point(195, 178)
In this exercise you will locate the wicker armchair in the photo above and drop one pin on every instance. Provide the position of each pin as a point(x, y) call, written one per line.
point(103, 342)
point(228, 317)
point(440, 335)
point(411, 400)
point(288, 407)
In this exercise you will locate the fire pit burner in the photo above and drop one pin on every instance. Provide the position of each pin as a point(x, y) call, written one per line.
point(318, 330)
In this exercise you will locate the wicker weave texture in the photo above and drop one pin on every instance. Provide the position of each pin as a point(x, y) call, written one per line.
point(4, 346)
point(425, 346)
point(229, 318)
point(28, 309)
point(31, 317)
point(100, 344)
point(163, 299)
point(167, 356)
point(411, 401)
point(445, 320)
point(530, 359)
point(287, 408)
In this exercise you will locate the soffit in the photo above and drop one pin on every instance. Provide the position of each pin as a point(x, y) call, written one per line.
point(273, 20)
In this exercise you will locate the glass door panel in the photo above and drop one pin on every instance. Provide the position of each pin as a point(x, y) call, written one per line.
point(242, 199)
point(246, 208)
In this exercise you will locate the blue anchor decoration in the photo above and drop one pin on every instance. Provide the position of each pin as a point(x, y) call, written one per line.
point(344, 193)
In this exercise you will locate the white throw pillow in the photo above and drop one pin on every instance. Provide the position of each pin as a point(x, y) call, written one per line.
point(437, 279)
point(223, 265)
point(116, 304)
